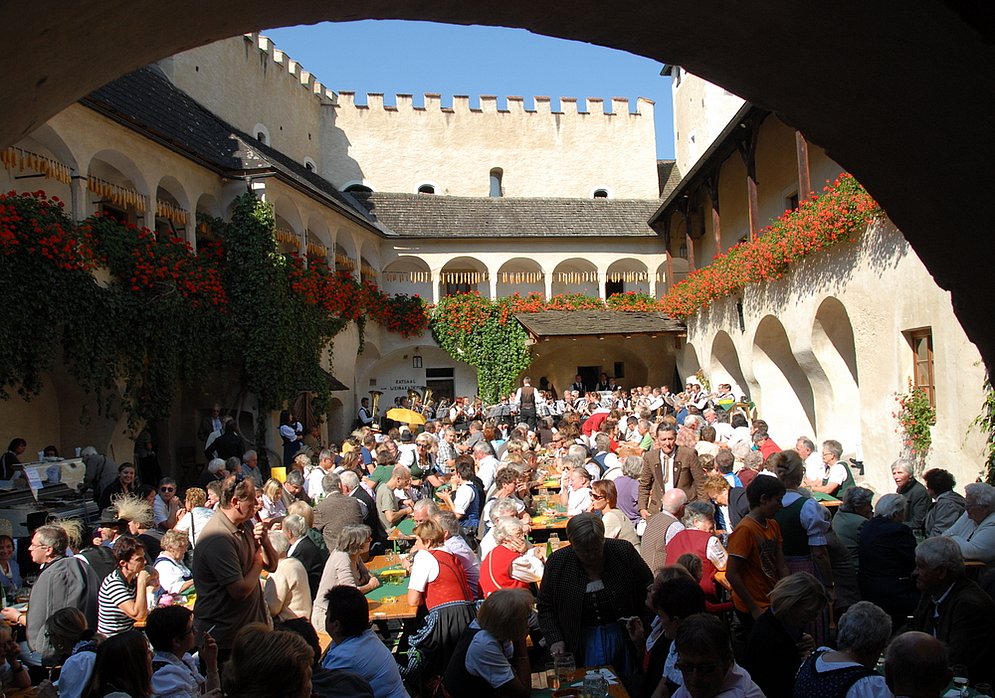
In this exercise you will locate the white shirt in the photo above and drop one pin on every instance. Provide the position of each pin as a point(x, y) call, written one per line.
point(424, 569)
point(313, 483)
point(815, 469)
point(178, 679)
point(161, 510)
point(463, 499)
point(172, 573)
point(578, 501)
point(487, 470)
point(976, 541)
point(837, 474)
point(867, 687)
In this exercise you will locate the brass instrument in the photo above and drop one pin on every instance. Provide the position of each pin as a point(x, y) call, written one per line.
point(427, 402)
point(376, 403)
point(414, 395)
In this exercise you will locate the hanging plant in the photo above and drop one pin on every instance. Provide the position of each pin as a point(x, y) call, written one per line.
point(915, 416)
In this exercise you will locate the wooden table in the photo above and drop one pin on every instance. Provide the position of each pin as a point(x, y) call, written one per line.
point(389, 601)
point(540, 689)
point(403, 531)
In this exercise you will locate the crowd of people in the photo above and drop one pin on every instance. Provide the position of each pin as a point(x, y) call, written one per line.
point(702, 560)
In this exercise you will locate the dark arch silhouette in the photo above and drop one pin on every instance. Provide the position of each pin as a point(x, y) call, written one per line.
point(900, 96)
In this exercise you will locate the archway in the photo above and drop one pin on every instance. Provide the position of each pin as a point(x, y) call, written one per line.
point(786, 399)
point(521, 276)
point(848, 109)
point(725, 366)
point(408, 275)
point(576, 276)
point(835, 348)
point(626, 276)
point(116, 187)
point(464, 275)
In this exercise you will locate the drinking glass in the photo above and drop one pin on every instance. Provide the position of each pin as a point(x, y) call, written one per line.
point(565, 667)
point(983, 689)
point(960, 679)
point(552, 678)
point(389, 554)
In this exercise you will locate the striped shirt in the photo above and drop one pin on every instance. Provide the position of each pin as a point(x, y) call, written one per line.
point(114, 591)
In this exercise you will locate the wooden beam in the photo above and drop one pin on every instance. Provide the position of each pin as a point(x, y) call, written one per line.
point(804, 174)
point(688, 239)
point(746, 143)
point(713, 195)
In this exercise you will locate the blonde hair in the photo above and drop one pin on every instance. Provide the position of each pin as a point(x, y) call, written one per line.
point(431, 533)
point(303, 510)
point(798, 589)
point(74, 532)
point(714, 484)
point(132, 508)
point(302, 461)
point(271, 487)
point(174, 540)
point(194, 497)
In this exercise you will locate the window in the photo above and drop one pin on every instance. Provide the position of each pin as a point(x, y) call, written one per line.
point(358, 188)
point(791, 202)
point(601, 193)
point(426, 188)
point(922, 361)
point(613, 287)
point(496, 191)
point(310, 165)
point(261, 133)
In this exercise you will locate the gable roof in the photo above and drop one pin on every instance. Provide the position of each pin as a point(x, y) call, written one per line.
point(431, 216)
point(147, 102)
point(565, 323)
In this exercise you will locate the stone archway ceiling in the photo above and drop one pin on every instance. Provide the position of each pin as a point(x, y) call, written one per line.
point(901, 98)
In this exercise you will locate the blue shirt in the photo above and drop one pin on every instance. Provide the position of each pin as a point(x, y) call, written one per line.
point(369, 657)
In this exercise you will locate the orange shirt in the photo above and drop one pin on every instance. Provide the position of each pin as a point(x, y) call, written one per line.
point(756, 544)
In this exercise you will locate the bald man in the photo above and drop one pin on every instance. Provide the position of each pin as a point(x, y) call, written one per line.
point(916, 666)
point(662, 527)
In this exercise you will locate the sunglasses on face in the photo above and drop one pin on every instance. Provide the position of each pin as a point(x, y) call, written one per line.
point(167, 489)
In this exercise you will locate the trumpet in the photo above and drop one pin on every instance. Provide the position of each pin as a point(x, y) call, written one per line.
point(413, 395)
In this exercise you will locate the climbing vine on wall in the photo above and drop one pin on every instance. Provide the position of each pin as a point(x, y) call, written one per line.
point(132, 313)
point(985, 422)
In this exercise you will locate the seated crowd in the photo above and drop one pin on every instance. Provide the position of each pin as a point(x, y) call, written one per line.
point(700, 560)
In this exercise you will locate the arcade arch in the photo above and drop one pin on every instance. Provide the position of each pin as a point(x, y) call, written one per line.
point(626, 276)
point(576, 276)
point(522, 276)
point(787, 398)
point(463, 275)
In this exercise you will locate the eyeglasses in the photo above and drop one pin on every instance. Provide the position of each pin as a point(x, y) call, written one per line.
point(597, 496)
point(167, 489)
point(687, 668)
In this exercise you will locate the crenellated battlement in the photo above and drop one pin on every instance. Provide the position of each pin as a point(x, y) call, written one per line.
point(294, 69)
point(489, 104)
point(433, 102)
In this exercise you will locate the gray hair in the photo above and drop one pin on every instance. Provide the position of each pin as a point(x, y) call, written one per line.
point(352, 537)
point(88, 451)
point(856, 498)
point(570, 461)
point(834, 447)
point(503, 507)
point(430, 507)
point(602, 441)
point(295, 525)
point(483, 448)
point(698, 511)
point(578, 451)
point(753, 460)
point(632, 467)
point(891, 504)
point(347, 478)
point(215, 465)
point(941, 553)
point(326, 454)
point(903, 464)
point(449, 523)
point(864, 629)
point(806, 442)
point(280, 542)
point(249, 454)
point(507, 527)
point(981, 493)
point(54, 536)
point(330, 482)
point(296, 478)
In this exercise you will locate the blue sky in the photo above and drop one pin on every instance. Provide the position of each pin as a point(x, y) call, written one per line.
point(419, 57)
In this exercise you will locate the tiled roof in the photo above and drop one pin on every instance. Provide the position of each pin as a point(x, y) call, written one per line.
point(669, 176)
point(564, 323)
point(148, 102)
point(428, 215)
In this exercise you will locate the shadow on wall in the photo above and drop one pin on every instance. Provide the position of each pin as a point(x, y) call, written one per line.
point(881, 249)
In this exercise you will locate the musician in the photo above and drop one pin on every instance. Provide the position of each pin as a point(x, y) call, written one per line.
point(527, 399)
point(604, 383)
point(365, 416)
point(578, 386)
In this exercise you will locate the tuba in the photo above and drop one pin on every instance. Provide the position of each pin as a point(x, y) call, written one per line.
point(375, 404)
point(427, 403)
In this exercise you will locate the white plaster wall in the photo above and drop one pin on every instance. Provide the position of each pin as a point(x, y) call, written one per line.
point(701, 111)
point(885, 290)
point(247, 81)
point(541, 153)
